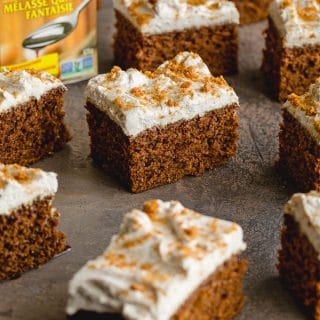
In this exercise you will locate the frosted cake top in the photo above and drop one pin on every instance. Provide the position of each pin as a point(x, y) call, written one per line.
point(160, 16)
point(17, 87)
point(159, 257)
point(21, 186)
point(180, 89)
point(306, 109)
point(297, 21)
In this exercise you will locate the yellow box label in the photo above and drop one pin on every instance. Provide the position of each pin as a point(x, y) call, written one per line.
point(48, 62)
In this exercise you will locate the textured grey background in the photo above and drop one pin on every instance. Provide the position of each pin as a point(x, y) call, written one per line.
point(246, 190)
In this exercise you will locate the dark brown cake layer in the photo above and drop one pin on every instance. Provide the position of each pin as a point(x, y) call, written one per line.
point(299, 267)
point(33, 130)
point(163, 155)
point(299, 154)
point(220, 297)
point(289, 70)
point(217, 46)
point(29, 238)
point(252, 10)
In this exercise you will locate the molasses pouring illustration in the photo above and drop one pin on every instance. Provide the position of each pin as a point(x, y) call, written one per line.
point(54, 31)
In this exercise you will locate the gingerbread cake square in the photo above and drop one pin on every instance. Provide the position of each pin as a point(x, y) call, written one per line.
point(292, 55)
point(166, 262)
point(252, 10)
point(299, 139)
point(151, 32)
point(31, 116)
point(299, 264)
point(153, 128)
point(28, 221)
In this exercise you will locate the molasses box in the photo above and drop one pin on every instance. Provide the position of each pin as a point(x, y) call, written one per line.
point(58, 36)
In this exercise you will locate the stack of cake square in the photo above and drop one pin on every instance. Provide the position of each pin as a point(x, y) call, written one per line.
point(292, 56)
point(152, 128)
point(151, 32)
point(167, 262)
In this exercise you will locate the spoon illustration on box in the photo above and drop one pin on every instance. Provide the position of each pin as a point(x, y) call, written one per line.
point(54, 31)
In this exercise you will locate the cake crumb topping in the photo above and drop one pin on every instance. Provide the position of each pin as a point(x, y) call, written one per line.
point(18, 173)
point(167, 84)
point(309, 103)
point(182, 234)
point(21, 186)
point(179, 89)
point(306, 109)
point(17, 87)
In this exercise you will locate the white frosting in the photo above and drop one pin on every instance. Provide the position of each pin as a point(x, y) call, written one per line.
point(298, 21)
point(305, 209)
point(21, 186)
point(306, 109)
point(175, 15)
point(159, 258)
point(17, 87)
point(180, 89)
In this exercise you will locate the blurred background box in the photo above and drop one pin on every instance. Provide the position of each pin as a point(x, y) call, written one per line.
point(32, 37)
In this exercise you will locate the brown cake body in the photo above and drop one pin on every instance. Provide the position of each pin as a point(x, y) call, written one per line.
point(299, 267)
point(219, 297)
point(299, 154)
point(217, 45)
point(29, 238)
point(289, 70)
point(252, 11)
point(33, 130)
point(163, 155)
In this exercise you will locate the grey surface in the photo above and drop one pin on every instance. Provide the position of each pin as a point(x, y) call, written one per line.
point(246, 190)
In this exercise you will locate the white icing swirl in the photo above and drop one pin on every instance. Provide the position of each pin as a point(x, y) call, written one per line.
point(21, 186)
point(160, 256)
point(17, 87)
point(298, 21)
point(305, 209)
point(175, 15)
point(159, 99)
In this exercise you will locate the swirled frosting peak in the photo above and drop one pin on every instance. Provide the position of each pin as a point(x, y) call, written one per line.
point(159, 257)
point(297, 21)
point(160, 16)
